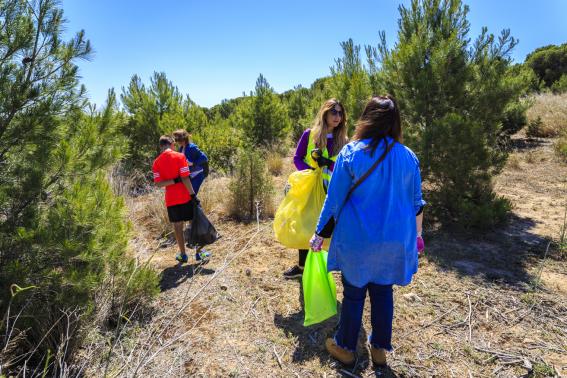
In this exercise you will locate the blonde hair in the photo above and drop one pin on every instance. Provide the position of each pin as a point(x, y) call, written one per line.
point(181, 135)
point(319, 130)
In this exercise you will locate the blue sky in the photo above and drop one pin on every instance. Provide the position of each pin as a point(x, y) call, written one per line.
point(215, 49)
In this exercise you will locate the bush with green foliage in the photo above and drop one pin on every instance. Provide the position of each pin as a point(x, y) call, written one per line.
point(453, 97)
point(62, 230)
point(152, 111)
point(262, 116)
point(251, 186)
point(350, 82)
point(196, 119)
point(549, 63)
point(297, 103)
point(560, 86)
point(561, 146)
point(514, 117)
point(220, 141)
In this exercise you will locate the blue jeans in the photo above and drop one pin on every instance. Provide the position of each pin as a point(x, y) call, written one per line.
point(381, 315)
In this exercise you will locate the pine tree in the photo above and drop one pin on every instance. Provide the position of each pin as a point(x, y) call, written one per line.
point(154, 111)
point(195, 117)
point(263, 117)
point(297, 105)
point(453, 97)
point(251, 186)
point(350, 82)
point(62, 230)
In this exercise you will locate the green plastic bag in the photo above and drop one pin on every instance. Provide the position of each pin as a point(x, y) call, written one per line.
point(319, 290)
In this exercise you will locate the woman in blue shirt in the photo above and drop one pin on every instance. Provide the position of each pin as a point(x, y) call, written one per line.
point(375, 229)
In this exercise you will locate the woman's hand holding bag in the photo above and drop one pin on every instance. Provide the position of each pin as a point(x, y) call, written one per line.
point(316, 243)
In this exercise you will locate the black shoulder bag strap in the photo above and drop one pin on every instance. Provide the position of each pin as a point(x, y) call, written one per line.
point(369, 171)
point(328, 229)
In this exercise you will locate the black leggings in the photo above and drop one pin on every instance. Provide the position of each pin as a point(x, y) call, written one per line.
point(302, 257)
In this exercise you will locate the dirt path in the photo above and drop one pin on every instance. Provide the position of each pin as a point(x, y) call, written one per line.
point(479, 306)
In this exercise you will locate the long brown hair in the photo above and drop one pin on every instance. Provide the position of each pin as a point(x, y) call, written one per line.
point(181, 135)
point(380, 119)
point(319, 129)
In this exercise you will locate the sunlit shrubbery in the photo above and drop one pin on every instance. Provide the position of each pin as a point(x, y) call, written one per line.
point(251, 187)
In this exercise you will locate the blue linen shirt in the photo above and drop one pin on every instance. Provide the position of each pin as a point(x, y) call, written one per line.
point(374, 240)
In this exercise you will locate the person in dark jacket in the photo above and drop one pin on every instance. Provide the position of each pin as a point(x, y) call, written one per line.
point(197, 159)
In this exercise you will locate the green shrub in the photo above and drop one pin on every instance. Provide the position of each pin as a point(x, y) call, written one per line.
point(560, 86)
point(76, 253)
point(220, 142)
point(549, 63)
point(561, 146)
point(534, 128)
point(514, 118)
point(251, 187)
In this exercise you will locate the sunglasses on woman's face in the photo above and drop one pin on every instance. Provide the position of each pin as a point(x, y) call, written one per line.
point(335, 112)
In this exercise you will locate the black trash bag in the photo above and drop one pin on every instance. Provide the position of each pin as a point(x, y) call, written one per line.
point(201, 231)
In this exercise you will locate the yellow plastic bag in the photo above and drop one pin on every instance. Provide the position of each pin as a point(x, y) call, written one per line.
point(298, 213)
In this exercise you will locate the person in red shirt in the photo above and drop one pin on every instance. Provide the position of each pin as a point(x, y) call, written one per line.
point(171, 171)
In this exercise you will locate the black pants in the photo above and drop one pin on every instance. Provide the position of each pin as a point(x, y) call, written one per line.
point(302, 257)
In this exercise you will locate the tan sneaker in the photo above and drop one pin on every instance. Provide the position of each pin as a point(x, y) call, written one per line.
point(339, 353)
point(378, 356)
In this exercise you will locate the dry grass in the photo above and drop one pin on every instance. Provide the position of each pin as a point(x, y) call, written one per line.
point(155, 213)
point(514, 162)
point(214, 195)
point(547, 117)
point(275, 164)
point(530, 157)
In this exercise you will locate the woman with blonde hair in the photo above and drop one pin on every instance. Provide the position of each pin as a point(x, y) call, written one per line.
point(319, 147)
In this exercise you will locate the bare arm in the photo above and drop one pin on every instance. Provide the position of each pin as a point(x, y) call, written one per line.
point(185, 180)
point(419, 223)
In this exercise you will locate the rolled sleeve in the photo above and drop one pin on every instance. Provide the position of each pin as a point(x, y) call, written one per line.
point(155, 171)
point(418, 201)
point(184, 169)
point(157, 177)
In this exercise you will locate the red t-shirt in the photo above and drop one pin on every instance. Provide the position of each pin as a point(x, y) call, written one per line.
point(169, 165)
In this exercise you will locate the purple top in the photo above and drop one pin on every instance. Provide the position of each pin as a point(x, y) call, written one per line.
point(301, 150)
